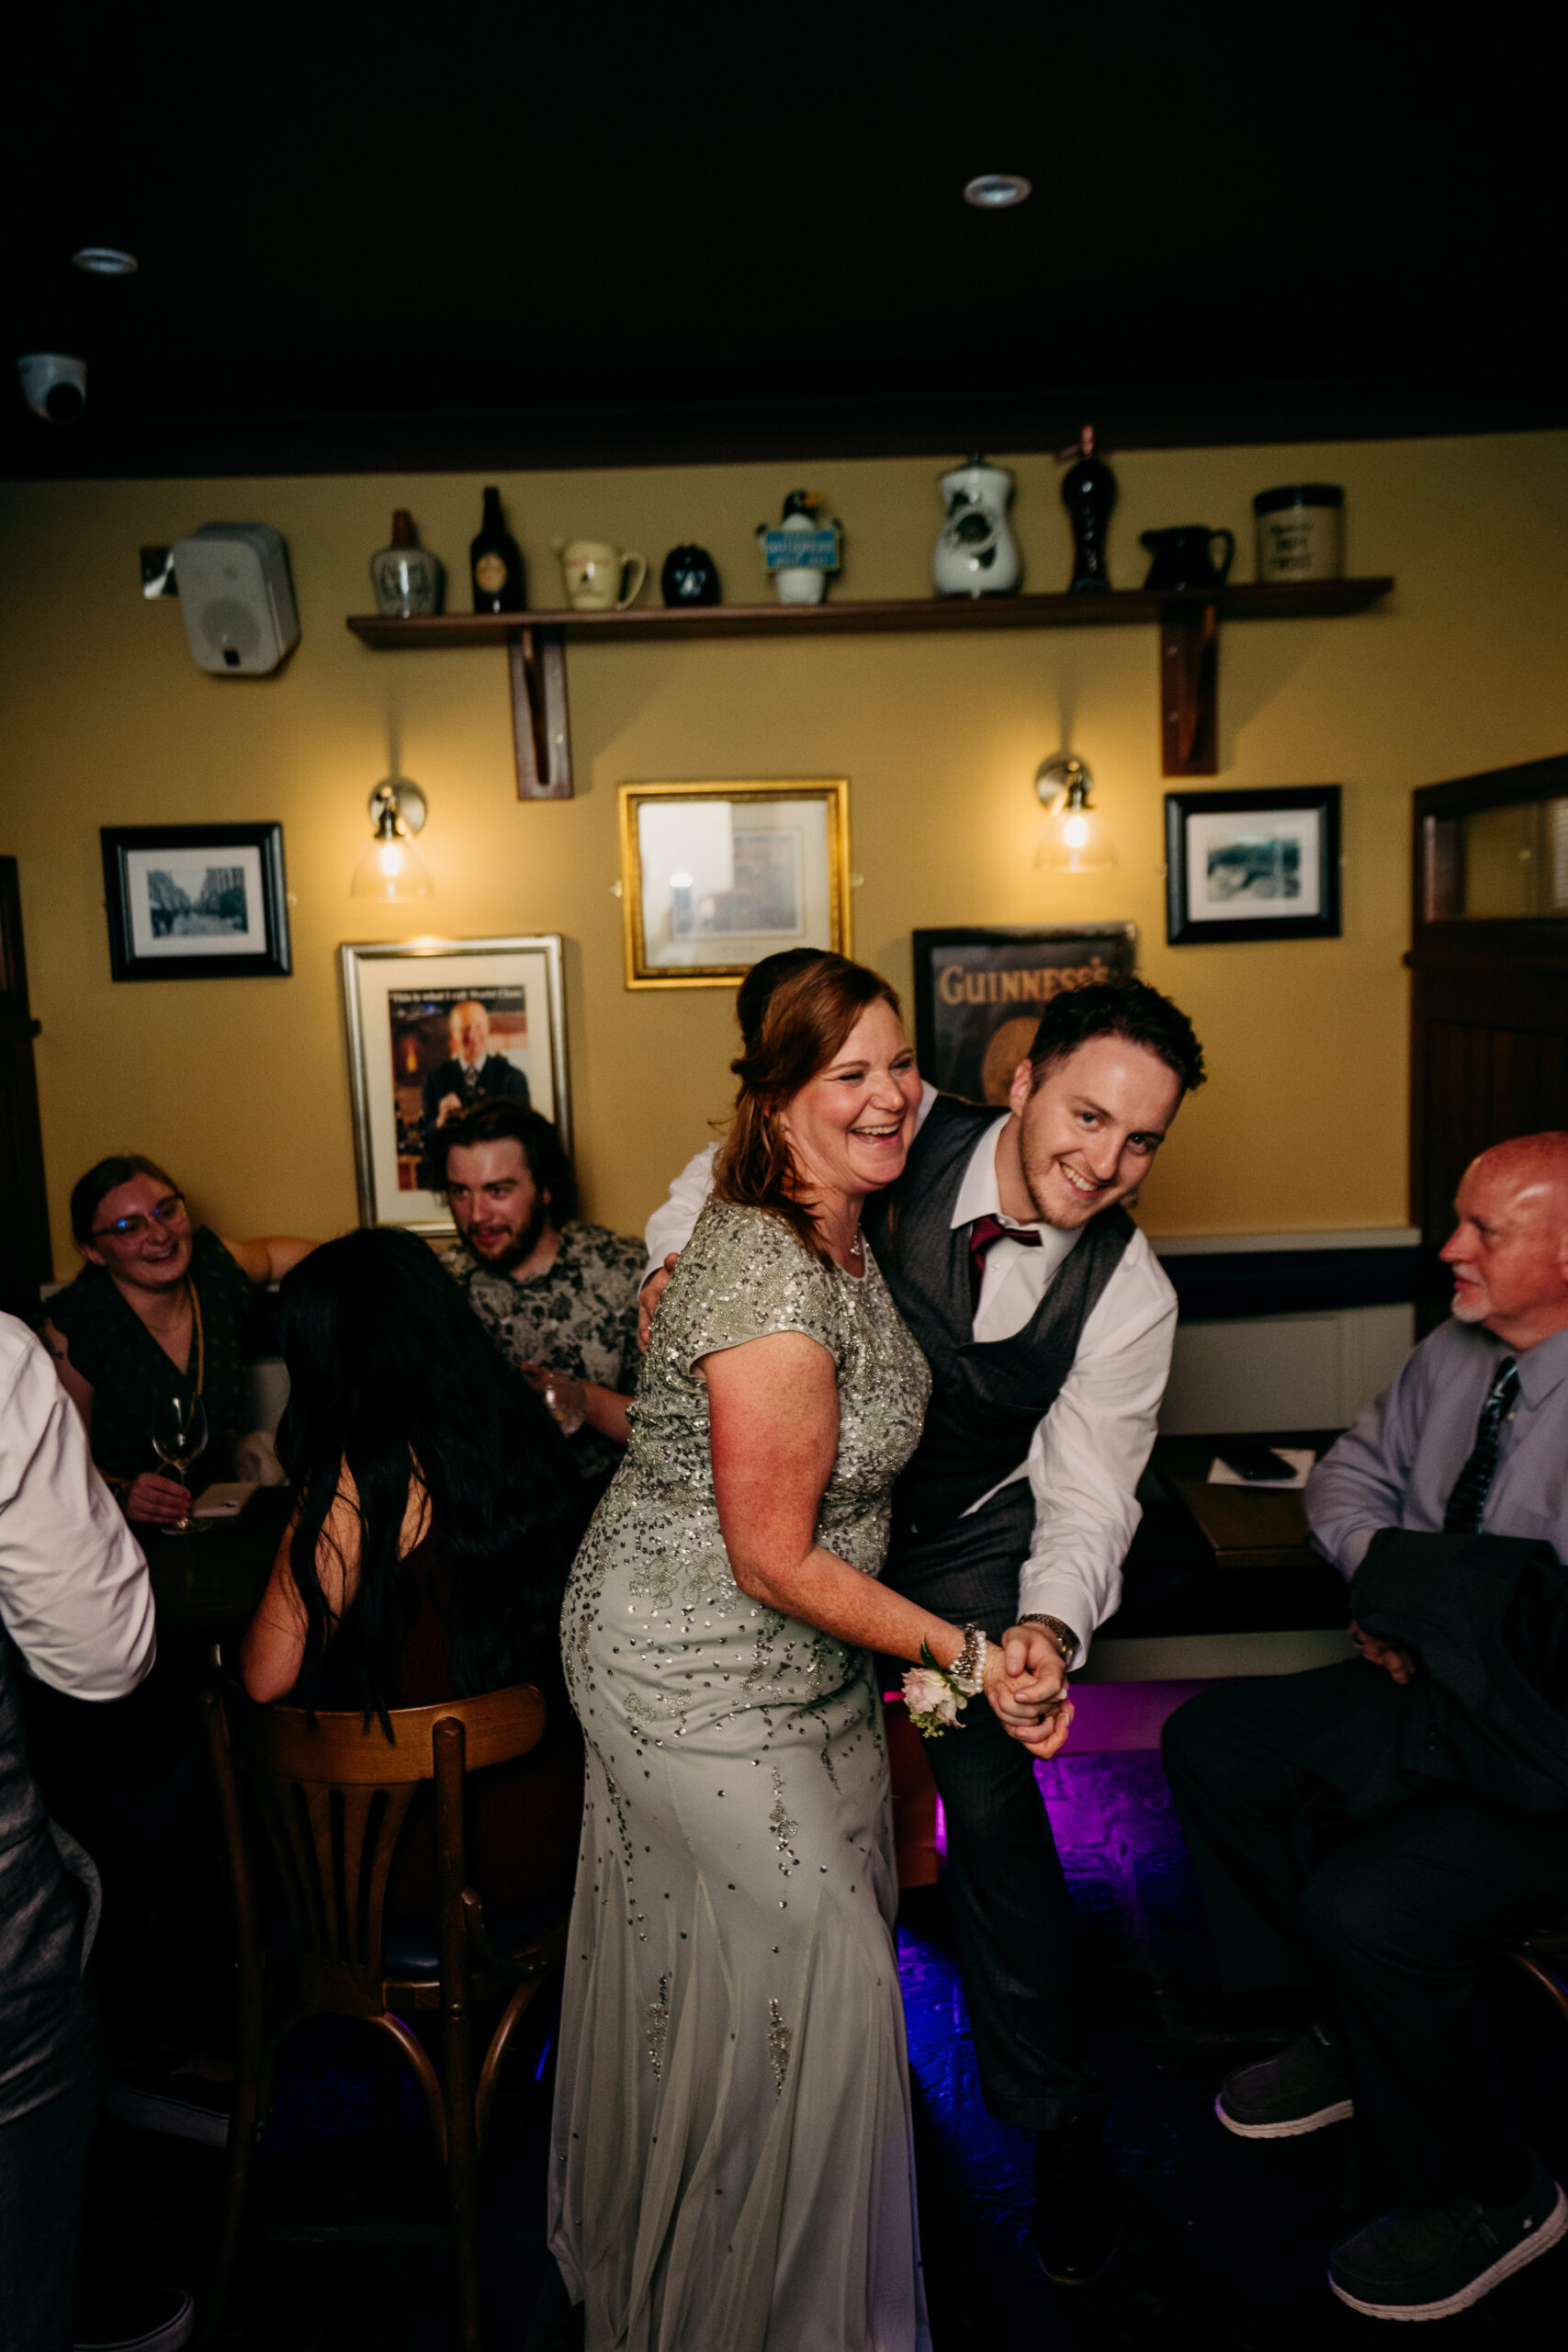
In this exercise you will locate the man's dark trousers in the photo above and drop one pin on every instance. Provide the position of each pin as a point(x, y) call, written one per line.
point(1012, 1920)
point(1392, 1915)
point(1012, 1917)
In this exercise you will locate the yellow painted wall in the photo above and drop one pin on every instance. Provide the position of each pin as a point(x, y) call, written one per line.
point(241, 1085)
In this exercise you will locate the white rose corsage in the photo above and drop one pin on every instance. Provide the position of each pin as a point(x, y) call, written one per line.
point(937, 1695)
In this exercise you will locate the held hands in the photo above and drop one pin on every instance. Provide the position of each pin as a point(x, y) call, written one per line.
point(449, 1107)
point(1397, 1664)
point(1026, 1682)
point(153, 1500)
point(649, 1295)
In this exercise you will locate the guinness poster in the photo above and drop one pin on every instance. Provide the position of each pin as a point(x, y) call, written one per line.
point(979, 996)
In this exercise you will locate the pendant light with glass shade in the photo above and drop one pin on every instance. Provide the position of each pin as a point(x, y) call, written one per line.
point(390, 866)
point(1075, 838)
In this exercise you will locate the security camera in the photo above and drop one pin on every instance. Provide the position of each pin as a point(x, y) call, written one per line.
point(53, 385)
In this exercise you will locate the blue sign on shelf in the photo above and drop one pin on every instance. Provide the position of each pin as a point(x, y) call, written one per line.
point(802, 550)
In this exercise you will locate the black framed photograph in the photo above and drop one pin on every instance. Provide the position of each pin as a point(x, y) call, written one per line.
point(979, 995)
point(195, 902)
point(1252, 864)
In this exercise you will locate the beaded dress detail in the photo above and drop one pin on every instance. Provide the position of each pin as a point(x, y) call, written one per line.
point(731, 2164)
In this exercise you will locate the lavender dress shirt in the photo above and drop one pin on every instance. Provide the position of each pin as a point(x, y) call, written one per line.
point(1397, 1466)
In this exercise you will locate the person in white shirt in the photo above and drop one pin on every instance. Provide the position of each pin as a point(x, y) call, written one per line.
point(77, 1608)
point(1048, 1324)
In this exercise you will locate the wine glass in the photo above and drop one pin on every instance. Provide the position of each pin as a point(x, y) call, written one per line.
point(179, 1435)
point(561, 1402)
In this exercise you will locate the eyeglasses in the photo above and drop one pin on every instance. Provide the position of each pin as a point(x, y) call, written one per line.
point(131, 1229)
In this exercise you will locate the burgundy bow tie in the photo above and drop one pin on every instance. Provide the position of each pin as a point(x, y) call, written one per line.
point(984, 1234)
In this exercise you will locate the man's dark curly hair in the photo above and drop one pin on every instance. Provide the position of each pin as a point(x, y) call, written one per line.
point(1128, 1008)
point(494, 1119)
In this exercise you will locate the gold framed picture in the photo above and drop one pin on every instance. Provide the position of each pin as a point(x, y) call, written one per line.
point(714, 877)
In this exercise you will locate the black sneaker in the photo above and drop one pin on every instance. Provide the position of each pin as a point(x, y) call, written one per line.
point(182, 2105)
point(147, 2319)
point(1432, 2263)
point(1077, 2204)
point(1301, 2089)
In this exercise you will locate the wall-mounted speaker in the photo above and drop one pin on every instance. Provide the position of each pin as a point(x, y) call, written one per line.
point(237, 598)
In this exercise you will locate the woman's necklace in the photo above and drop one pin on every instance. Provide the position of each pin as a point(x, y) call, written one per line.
point(200, 1335)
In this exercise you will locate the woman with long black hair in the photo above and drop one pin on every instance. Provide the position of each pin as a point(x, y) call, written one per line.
point(436, 1512)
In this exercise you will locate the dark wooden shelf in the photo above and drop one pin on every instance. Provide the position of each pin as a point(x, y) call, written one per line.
point(1188, 620)
point(876, 616)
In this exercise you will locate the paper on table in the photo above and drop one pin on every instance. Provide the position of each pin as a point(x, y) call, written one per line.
point(225, 1500)
point(1299, 1457)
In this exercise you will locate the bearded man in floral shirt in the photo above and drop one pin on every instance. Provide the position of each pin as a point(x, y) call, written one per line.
point(558, 1296)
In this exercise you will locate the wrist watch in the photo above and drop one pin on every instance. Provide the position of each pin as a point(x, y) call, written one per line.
point(1065, 1639)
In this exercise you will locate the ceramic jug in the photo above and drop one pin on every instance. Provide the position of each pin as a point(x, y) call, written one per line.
point(596, 575)
point(977, 554)
point(1181, 556)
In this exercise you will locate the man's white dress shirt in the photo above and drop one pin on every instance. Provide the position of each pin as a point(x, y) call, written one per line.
point(1088, 1451)
point(74, 1593)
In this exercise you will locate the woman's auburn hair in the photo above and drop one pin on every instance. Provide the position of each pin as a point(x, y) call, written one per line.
point(805, 1021)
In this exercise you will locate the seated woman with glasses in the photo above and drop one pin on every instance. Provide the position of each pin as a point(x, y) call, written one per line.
point(436, 1512)
point(158, 1305)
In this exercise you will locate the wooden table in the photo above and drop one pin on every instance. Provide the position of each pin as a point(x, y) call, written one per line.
point(1186, 1616)
point(210, 1583)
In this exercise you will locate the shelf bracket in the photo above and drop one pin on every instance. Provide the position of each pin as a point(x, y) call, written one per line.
point(1190, 689)
point(540, 732)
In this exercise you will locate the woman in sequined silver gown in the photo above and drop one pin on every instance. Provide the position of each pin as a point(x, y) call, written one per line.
point(731, 2168)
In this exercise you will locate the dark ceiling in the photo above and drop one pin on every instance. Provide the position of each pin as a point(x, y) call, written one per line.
point(516, 237)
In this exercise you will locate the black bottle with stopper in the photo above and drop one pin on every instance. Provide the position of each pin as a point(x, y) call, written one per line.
point(1088, 493)
point(496, 564)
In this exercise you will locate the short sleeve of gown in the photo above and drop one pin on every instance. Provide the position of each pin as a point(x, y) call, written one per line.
point(743, 1275)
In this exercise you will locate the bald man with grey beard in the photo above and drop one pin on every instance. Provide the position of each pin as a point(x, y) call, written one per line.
point(1386, 1885)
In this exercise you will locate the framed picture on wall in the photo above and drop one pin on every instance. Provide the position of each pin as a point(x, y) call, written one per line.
point(1252, 864)
point(195, 902)
point(715, 877)
point(434, 1024)
point(979, 995)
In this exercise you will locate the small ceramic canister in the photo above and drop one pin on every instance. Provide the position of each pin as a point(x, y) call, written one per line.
point(1301, 532)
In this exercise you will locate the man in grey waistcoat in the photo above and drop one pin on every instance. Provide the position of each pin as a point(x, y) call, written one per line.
point(75, 1612)
point(1048, 1323)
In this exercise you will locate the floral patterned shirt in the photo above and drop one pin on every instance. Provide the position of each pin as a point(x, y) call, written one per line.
point(578, 1317)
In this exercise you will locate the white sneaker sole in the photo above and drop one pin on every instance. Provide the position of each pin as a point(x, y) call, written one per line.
point(1298, 2124)
point(1538, 2242)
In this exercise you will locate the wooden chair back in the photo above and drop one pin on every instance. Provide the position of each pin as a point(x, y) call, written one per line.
point(332, 1794)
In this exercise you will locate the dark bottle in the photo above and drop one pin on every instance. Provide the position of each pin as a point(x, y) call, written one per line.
point(497, 567)
point(1088, 493)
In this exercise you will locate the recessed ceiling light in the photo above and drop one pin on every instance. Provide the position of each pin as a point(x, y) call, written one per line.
point(106, 261)
point(994, 191)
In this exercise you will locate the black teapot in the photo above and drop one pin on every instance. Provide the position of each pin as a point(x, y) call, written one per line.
point(1181, 557)
point(690, 577)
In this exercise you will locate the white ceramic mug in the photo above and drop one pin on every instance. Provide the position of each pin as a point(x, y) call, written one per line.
point(594, 573)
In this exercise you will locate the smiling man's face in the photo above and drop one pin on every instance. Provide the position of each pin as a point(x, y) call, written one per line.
point(1089, 1127)
point(469, 1025)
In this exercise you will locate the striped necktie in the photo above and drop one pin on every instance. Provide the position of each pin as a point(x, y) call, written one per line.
point(1473, 1484)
